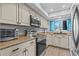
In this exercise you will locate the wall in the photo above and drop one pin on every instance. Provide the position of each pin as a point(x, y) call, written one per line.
point(22, 28)
point(59, 13)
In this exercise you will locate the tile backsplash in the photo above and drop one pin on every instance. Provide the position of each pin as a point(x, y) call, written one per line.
point(21, 28)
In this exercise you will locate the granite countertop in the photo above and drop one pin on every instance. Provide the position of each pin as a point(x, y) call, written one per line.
point(52, 33)
point(21, 39)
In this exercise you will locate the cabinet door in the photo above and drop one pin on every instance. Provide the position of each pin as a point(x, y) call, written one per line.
point(0, 10)
point(49, 40)
point(24, 15)
point(42, 23)
point(45, 23)
point(56, 40)
point(64, 42)
point(53, 40)
point(32, 13)
point(9, 13)
point(32, 50)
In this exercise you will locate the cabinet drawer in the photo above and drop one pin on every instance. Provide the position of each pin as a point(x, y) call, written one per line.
point(26, 44)
point(17, 49)
point(9, 51)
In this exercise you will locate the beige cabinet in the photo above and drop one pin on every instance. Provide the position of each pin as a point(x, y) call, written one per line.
point(53, 40)
point(8, 13)
point(44, 23)
point(24, 15)
point(64, 42)
point(0, 10)
point(19, 14)
point(23, 49)
point(32, 12)
point(58, 40)
point(10, 51)
point(30, 51)
point(49, 40)
point(13, 13)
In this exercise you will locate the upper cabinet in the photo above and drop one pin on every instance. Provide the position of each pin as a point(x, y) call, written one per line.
point(8, 13)
point(19, 14)
point(32, 12)
point(44, 23)
point(0, 10)
point(24, 15)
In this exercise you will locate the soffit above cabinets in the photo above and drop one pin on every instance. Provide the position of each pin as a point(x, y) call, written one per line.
point(37, 7)
point(62, 17)
point(51, 9)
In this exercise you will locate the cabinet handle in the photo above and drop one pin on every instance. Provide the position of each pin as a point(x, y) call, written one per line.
point(18, 22)
point(26, 50)
point(15, 49)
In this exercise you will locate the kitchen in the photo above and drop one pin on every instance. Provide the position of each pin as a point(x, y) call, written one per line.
point(39, 29)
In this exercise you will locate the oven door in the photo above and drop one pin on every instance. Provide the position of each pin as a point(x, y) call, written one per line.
point(40, 47)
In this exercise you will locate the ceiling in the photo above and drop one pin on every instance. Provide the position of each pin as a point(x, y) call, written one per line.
point(52, 9)
point(55, 7)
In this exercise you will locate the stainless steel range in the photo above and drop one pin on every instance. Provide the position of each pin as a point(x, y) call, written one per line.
point(40, 45)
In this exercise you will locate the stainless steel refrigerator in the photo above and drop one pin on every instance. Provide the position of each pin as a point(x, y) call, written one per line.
point(75, 28)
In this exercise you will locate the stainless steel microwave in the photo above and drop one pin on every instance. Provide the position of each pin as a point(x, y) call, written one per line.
point(34, 22)
point(8, 34)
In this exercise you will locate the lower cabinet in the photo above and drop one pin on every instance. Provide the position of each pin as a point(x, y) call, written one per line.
point(30, 51)
point(58, 40)
point(49, 40)
point(23, 49)
point(64, 42)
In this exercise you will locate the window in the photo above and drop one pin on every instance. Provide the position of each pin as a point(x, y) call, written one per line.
point(55, 24)
point(69, 25)
point(64, 25)
point(59, 24)
point(52, 26)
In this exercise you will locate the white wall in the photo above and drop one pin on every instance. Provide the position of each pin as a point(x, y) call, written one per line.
point(59, 14)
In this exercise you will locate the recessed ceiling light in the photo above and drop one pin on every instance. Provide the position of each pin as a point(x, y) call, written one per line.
point(64, 6)
point(51, 10)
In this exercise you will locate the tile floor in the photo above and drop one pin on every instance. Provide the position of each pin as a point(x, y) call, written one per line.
point(55, 51)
